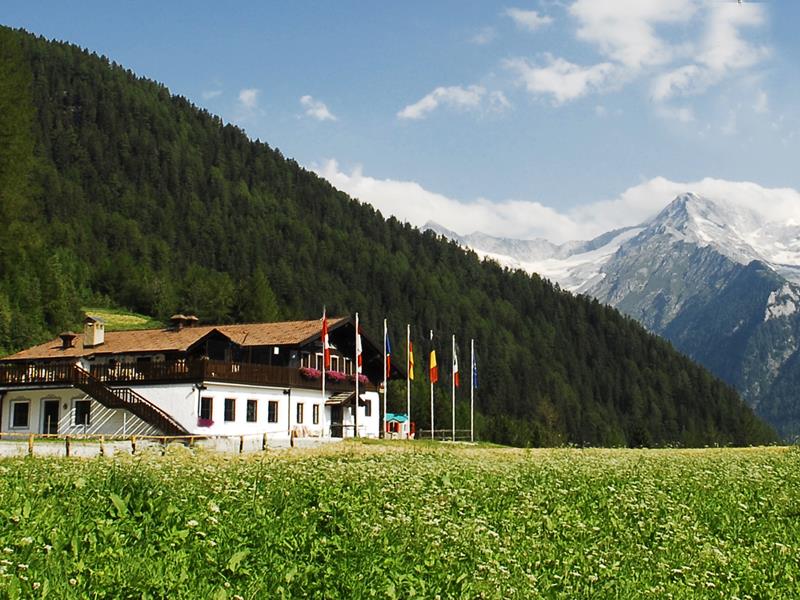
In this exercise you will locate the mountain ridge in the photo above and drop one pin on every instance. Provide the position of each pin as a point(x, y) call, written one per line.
point(704, 275)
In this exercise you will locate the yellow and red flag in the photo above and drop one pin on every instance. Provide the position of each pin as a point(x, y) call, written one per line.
point(410, 360)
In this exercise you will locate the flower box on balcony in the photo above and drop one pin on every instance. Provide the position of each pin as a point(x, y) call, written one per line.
point(362, 379)
point(336, 376)
point(309, 373)
point(204, 422)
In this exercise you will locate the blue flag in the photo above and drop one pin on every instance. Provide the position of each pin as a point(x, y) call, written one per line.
point(475, 370)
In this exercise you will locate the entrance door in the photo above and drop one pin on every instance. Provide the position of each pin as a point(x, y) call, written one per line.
point(50, 416)
point(336, 421)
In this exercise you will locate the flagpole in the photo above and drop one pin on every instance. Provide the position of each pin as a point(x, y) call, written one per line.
point(408, 378)
point(355, 408)
point(472, 391)
point(453, 377)
point(429, 377)
point(324, 346)
point(385, 378)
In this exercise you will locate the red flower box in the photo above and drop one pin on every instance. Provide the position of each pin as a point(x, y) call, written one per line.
point(309, 373)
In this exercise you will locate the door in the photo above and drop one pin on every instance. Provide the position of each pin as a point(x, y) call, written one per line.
point(50, 416)
point(336, 421)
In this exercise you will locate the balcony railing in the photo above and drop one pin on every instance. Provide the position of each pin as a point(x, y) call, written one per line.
point(198, 370)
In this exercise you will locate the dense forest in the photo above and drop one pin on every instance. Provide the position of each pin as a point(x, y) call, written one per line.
point(114, 192)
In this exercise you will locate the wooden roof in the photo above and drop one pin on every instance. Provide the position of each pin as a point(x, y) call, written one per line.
point(286, 333)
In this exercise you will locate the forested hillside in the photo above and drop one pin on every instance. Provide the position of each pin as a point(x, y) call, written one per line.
point(113, 192)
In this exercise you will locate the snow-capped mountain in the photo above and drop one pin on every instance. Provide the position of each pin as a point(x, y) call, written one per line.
point(576, 266)
point(719, 280)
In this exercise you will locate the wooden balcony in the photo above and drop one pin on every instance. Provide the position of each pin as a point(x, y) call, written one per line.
point(126, 374)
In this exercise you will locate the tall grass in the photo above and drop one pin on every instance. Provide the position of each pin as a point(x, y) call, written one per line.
point(400, 521)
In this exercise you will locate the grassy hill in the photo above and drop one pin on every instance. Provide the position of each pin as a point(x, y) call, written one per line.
point(123, 320)
point(113, 192)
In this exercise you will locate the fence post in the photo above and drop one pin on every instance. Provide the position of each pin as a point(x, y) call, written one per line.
point(30, 444)
point(163, 446)
point(133, 444)
point(102, 446)
point(241, 444)
point(264, 441)
point(191, 442)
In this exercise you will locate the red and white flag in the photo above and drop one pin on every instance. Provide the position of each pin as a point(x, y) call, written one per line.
point(326, 346)
point(455, 364)
point(359, 358)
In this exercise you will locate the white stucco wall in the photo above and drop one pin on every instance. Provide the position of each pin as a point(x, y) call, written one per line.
point(182, 402)
point(102, 420)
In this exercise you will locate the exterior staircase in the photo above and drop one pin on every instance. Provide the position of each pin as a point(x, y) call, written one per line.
point(127, 399)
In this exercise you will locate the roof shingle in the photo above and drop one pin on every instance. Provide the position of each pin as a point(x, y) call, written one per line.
point(286, 333)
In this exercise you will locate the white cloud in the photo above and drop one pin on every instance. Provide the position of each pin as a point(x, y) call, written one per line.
point(528, 19)
point(211, 94)
point(675, 83)
point(682, 114)
point(624, 30)
point(720, 53)
point(248, 99)
point(730, 126)
point(724, 49)
point(641, 202)
point(561, 79)
point(409, 201)
point(484, 36)
point(498, 102)
point(316, 109)
point(453, 96)
point(762, 102)
point(686, 46)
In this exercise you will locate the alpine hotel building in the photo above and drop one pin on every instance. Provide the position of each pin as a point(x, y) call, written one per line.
point(189, 379)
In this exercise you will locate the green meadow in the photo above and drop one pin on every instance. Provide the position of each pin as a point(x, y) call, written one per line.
point(402, 520)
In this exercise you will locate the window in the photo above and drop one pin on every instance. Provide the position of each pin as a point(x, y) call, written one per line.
point(367, 408)
point(334, 363)
point(299, 412)
point(318, 360)
point(230, 409)
point(82, 411)
point(315, 414)
point(20, 411)
point(252, 411)
point(206, 405)
point(272, 411)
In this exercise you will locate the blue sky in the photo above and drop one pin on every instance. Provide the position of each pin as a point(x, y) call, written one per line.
point(540, 118)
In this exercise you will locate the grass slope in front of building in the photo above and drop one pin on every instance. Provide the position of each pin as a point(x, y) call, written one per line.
point(401, 521)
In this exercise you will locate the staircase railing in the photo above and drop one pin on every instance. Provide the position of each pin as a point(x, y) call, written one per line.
point(128, 399)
